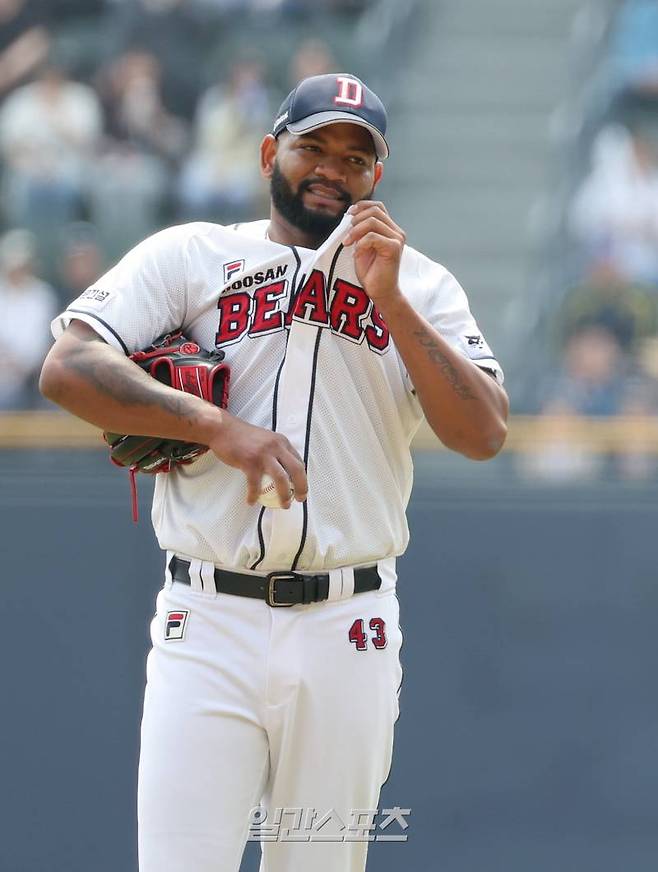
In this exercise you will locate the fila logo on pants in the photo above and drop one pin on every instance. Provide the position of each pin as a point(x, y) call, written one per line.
point(175, 625)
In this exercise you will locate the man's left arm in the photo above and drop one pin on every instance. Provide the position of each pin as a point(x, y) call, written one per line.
point(464, 406)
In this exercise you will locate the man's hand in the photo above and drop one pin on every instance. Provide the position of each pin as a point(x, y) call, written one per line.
point(257, 451)
point(378, 246)
point(465, 407)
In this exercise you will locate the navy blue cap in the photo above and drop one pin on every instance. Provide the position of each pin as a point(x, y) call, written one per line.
point(321, 100)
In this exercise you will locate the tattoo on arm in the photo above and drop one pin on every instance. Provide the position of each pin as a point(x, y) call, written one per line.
point(448, 370)
point(130, 389)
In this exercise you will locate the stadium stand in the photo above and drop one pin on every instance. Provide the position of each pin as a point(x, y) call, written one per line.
point(113, 118)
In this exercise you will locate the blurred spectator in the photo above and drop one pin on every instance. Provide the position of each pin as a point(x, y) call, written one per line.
point(629, 310)
point(174, 31)
point(348, 6)
point(634, 43)
point(127, 196)
point(299, 6)
point(615, 212)
point(287, 6)
point(49, 130)
point(81, 262)
point(28, 305)
point(140, 155)
point(131, 91)
point(24, 41)
point(224, 6)
point(593, 374)
point(312, 58)
point(221, 179)
point(70, 10)
point(594, 381)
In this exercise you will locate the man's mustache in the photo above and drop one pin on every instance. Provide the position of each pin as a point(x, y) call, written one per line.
point(342, 193)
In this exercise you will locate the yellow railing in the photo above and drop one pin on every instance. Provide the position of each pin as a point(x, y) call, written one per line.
point(527, 434)
point(46, 430)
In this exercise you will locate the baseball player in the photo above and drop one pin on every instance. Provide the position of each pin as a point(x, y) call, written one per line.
point(274, 673)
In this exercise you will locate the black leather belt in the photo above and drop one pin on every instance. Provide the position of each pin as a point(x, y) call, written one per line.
point(277, 588)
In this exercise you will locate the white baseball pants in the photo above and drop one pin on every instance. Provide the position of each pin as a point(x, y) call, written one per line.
point(288, 708)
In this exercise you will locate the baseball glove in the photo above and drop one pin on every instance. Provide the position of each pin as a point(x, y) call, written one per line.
point(179, 363)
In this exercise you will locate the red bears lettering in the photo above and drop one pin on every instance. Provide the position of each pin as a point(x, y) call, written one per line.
point(311, 304)
point(377, 335)
point(260, 314)
point(233, 317)
point(266, 318)
point(348, 308)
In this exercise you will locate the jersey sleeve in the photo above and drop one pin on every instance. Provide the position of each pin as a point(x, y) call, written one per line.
point(141, 298)
point(445, 306)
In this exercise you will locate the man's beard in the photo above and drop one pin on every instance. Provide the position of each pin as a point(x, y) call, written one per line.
point(318, 225)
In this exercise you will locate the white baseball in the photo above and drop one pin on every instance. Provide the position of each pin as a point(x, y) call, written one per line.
point(269, 496)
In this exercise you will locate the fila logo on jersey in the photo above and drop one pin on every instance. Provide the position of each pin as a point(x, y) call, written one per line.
point(347, 311)
point(231, 269)
point(175, 625)
point(350, 92)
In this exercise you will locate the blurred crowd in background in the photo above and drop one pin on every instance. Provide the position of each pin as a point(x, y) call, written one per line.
point(603, 323)
point(120, 116)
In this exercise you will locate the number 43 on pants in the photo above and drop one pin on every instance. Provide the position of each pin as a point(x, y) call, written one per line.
point(358, 636)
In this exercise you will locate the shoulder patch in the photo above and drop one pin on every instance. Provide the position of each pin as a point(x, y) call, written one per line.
point(475, 341)
point(96, 297)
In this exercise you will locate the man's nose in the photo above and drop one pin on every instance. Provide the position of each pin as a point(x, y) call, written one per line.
point(331, 168)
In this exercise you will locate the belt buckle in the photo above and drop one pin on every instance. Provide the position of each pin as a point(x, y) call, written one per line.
point(270, 590)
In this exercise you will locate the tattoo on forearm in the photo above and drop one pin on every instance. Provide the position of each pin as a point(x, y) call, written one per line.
point(449, 371)
point(131, 389)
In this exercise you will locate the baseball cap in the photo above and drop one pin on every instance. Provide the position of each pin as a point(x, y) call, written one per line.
point(321, 100)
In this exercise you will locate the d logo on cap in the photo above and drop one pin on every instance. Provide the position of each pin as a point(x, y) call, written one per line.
point(350, 92)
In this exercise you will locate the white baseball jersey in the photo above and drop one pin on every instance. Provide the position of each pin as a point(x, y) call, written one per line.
point(310, 357)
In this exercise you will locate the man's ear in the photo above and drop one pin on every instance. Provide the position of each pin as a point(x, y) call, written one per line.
point(268, 150)
point(379, 172)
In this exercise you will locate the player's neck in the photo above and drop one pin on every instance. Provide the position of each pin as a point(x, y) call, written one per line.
point(282, 231)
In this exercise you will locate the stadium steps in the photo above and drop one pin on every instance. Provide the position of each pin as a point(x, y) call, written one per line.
point(470, 142)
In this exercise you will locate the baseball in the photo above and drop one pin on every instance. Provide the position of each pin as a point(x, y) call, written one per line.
point(269, 495)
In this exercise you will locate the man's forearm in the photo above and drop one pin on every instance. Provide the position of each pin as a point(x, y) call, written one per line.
point(464, 406)
point(97, 383)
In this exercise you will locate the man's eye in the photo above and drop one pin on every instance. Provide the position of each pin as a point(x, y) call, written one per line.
point(359, 161)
